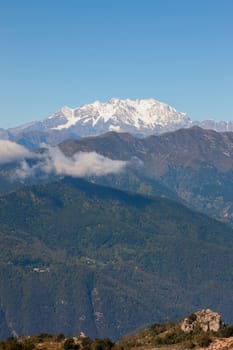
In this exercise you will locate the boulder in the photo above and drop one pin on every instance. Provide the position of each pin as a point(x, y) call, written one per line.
point(207, 320)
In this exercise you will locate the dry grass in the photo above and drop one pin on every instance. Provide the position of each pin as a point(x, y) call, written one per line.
point(49, 345)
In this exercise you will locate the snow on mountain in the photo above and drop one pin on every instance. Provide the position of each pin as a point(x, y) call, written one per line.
point(139, 117)
point(136, 116)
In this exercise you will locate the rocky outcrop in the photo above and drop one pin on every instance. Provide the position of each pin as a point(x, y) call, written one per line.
point(207, 320)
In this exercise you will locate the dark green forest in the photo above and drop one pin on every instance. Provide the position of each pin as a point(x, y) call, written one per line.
point(76, 256)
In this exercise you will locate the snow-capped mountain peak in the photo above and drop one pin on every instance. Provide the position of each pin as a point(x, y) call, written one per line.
point(140, 117)
point(136, 116)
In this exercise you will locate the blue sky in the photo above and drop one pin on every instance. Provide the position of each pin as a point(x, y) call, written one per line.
point(71, 52)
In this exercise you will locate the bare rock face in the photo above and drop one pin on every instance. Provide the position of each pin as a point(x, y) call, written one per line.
point(207, 320)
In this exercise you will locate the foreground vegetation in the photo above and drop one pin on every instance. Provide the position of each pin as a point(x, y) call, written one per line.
point(162, 335)
point(156, 336)
point(46, 341)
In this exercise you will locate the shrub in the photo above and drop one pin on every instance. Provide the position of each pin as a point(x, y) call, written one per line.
point(191, 318)
point(225, 332)
point(12, 344)
point(86, 343)
point(102, 344)
point(42, 337)
point(158, 328)
point(204, 340)
point(60, 337)
point(27, 344)
point(69, 344)
point(173, 336)
point(188, 344)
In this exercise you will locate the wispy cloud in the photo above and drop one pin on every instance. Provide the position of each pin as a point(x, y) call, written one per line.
point(53, 161)
point(10, 152)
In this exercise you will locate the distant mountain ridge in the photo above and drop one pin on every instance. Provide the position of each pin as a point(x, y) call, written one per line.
point(195, 164)
point(141, 117)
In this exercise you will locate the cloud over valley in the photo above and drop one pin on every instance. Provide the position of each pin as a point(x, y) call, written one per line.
point(53, 161)
point(11, 152)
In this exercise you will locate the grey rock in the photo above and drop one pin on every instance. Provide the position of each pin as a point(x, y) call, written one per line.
point(206, 319)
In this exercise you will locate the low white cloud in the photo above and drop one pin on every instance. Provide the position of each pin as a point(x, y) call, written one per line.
point(25, 170)
point(10, 152)
point(81, 164)
point(53, 161)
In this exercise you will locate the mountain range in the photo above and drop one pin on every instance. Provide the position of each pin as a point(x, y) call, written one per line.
point(141, 117)
point(75, 256)
point(107, 233)
point(192, 165)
